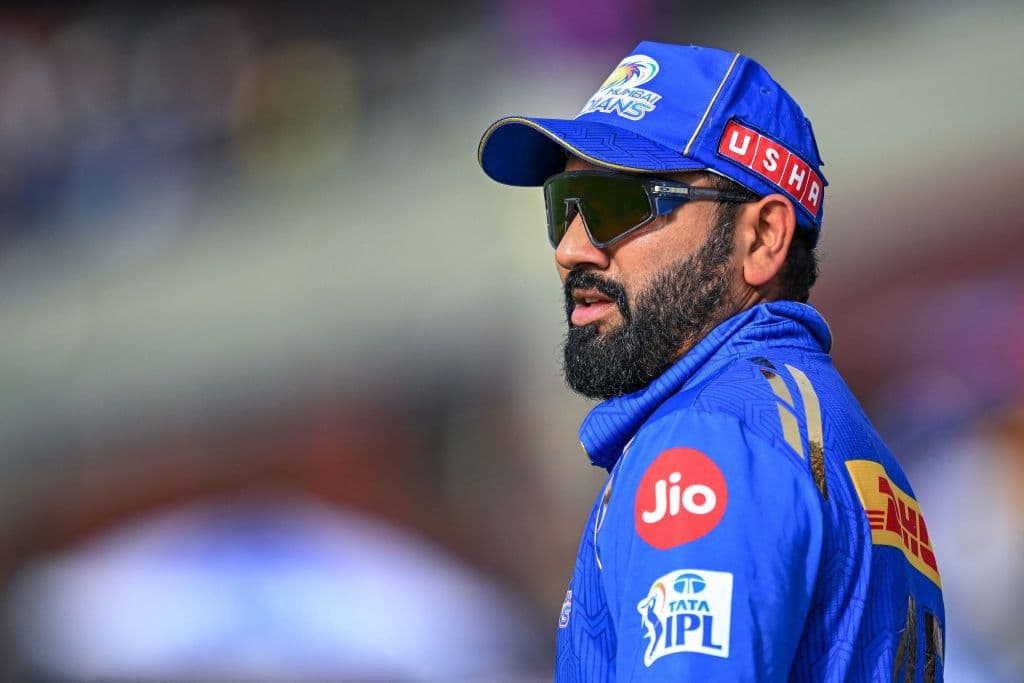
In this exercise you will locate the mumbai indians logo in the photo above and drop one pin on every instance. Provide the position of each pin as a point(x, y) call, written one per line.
point(619, 93)
point(632, 71)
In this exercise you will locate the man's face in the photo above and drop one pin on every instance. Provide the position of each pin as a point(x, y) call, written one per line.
point(637, 306)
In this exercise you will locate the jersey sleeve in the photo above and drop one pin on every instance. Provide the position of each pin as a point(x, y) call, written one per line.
point(709, 549)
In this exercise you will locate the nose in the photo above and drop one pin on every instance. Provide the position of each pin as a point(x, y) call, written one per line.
point(576, 249)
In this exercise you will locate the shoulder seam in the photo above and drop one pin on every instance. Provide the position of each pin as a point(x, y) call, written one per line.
point(809, 458)
point(798, 464)
point(811, 408)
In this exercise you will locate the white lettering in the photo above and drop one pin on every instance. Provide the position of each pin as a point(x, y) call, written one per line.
point(771, 159)
point(813, 193)
point(692, 506)
point(668, 499)
point(733, 146)
point(673, 493)
point(655, 515)
point(796, 178)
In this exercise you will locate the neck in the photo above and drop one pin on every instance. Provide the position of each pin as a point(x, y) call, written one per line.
point(750, 296)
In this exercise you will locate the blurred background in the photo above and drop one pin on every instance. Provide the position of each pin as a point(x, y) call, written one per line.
point(281, 396)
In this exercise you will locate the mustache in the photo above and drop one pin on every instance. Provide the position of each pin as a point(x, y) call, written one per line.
point(583, 279)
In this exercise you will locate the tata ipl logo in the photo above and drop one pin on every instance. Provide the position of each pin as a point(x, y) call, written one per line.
point(688, 610)
point(619, 93)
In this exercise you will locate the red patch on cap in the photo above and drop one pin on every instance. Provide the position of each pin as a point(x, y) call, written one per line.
point(774, 162)
point(812, 198)
point(739, 143)
point(681, 497)
point(794, 178)
point(770, 160)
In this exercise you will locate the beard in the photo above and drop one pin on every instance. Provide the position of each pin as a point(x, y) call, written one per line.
point(680, 305)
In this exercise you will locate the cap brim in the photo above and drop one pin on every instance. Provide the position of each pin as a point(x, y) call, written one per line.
point(524, 151)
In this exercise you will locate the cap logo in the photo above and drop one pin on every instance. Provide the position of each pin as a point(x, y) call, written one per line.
point(619, 93)
point(774, 162)
point(631, 72)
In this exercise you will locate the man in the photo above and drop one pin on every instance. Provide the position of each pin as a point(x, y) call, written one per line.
point(753, 526)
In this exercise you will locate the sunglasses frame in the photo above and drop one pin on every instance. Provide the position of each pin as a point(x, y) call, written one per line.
point(663, 197)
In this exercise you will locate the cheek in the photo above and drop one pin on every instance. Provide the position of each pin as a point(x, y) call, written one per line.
point(644, 264)
point(653, 250)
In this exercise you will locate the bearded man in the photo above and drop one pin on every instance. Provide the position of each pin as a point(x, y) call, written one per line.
point(754, 526)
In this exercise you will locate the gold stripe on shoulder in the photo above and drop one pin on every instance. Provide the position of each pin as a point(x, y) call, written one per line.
point(790, 428)
point(815, 435)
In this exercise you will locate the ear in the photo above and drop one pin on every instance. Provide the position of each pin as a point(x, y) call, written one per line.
point(764, 230)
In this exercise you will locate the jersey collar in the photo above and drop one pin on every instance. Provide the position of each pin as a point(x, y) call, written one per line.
point(611, 424)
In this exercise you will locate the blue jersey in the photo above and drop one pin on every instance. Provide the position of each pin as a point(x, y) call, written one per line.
point(753, 527)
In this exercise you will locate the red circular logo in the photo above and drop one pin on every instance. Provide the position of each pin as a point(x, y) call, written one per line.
point(682, 496)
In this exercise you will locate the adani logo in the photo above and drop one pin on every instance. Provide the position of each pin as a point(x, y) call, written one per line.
point(688, 610)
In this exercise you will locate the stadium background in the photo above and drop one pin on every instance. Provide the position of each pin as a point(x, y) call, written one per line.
point(281, 397)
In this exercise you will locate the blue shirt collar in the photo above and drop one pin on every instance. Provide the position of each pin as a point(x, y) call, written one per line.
point(611, 424)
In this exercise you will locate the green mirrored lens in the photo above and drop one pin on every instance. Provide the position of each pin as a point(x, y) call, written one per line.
point(610, 204)
point(557, 210)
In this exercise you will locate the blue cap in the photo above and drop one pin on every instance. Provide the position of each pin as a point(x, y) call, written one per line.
point(668, 108)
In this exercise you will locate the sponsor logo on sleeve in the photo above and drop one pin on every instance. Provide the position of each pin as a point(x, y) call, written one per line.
point(773, 162)
point(688, 610)
point(681, 497)
point(894, 516)
point(563, 618)
point(619, 93)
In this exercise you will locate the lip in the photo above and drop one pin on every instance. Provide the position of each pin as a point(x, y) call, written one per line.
point(584, 313)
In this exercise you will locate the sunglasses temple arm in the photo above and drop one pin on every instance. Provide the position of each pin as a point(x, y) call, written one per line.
point(719, 195)
point(667, 204)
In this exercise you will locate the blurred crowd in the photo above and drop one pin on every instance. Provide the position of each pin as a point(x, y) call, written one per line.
point(124, 114)
point(374, 476)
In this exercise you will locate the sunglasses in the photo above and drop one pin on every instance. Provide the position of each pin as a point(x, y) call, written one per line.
point(613, 205)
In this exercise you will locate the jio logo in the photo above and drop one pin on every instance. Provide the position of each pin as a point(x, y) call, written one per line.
point(669, 496)
point(682, 496)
